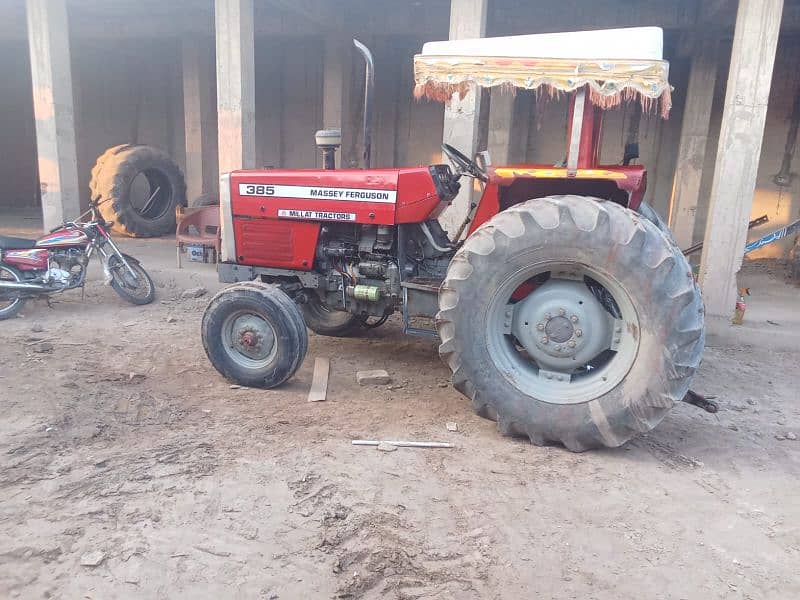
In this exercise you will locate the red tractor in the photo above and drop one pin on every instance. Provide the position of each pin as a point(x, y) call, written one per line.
point(566, 313)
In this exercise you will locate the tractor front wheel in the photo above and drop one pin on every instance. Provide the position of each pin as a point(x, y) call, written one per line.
point(254, 335)
point(571, 320)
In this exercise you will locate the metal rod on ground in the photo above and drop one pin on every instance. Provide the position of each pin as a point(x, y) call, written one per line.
point(402, 444)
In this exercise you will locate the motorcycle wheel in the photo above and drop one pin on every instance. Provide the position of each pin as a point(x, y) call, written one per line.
point(10, 302)
point(136, 291)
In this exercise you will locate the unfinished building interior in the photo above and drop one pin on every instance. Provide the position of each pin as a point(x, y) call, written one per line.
point(134, 465)
point(239, 84)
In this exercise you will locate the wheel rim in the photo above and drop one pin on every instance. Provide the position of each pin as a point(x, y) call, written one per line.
point(8, 302)
point(151, 194)
point(572, 339)
point(139, 287)
point(249, 339)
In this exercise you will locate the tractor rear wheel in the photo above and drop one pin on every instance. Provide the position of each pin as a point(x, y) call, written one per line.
point(324, 321)
point(254, 335)
point(571, 320)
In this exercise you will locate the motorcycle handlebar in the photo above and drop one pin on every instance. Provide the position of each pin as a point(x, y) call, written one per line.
point(93, 213)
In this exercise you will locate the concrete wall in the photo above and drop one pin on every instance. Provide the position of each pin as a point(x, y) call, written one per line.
point(781, 205)
point(128, 91)
point(289, 79)
point(18, 173)
point(288, 100)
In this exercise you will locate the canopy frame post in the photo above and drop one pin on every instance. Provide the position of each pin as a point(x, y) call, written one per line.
point(585, 124)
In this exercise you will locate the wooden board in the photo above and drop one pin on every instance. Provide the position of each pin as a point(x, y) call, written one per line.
point(319, 382)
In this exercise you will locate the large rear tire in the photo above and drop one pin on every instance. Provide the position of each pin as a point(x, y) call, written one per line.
point(519, 358)
point(254, 335)
point(138, 188)
point(323, 321)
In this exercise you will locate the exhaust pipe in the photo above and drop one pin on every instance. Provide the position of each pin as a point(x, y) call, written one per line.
point(369, 87)
point(22, 286)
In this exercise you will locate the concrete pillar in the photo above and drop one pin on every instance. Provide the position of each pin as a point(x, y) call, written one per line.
point(692, 146)
point(337, 79)
point(236, 138)
point(509, 124)
point(462, 117)
point(51, 75)
point(198, 120)
point(752, 59)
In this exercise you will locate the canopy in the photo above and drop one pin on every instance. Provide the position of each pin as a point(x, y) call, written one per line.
point(616, 64)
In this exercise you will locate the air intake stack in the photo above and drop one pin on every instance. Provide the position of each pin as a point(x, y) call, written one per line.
point(328, 140)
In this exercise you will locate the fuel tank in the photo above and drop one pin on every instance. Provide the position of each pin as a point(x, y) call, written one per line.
point(27, 260)
point(62, 237)
point(275, 215)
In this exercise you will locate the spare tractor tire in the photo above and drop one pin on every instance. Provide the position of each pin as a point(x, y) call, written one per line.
point(138, 188)
point(97, 169)
point(600, 349)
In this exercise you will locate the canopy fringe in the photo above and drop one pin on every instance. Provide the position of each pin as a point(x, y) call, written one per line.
point(610, 84)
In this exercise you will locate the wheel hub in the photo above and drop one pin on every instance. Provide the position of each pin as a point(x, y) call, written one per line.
point(559, 329)
point(562, 326)
point(252, 337)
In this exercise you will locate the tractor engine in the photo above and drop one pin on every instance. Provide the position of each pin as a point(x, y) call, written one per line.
point(361, 272)
point(362, 263)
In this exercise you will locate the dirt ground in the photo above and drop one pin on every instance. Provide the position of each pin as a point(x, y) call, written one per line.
point(120, 444)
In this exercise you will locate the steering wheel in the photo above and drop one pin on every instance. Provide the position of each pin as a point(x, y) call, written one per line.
point(464, 166)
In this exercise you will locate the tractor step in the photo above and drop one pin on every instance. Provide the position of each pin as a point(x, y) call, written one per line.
point(420, 299)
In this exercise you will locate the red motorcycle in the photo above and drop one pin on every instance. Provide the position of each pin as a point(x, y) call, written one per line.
point(57, 262)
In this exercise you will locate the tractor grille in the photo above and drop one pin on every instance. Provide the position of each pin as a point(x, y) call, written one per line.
point(265, 238)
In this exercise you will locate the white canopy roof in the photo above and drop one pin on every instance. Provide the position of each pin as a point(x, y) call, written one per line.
point(633, 43)
point(615, 65)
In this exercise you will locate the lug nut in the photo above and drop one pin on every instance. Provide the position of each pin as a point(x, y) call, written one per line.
point(578, 332)
point(559, 348)
point(571, 343)
point(540, 326)
point(544, 340)
point(548, 316)
point(562, 312)
point(574, 318)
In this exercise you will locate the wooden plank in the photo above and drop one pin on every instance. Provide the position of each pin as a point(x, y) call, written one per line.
point(319, 382)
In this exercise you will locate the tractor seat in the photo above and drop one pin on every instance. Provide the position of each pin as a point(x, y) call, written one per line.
point(14, 243)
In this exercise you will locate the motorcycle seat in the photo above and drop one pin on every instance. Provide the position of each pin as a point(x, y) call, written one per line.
point(14, 243)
